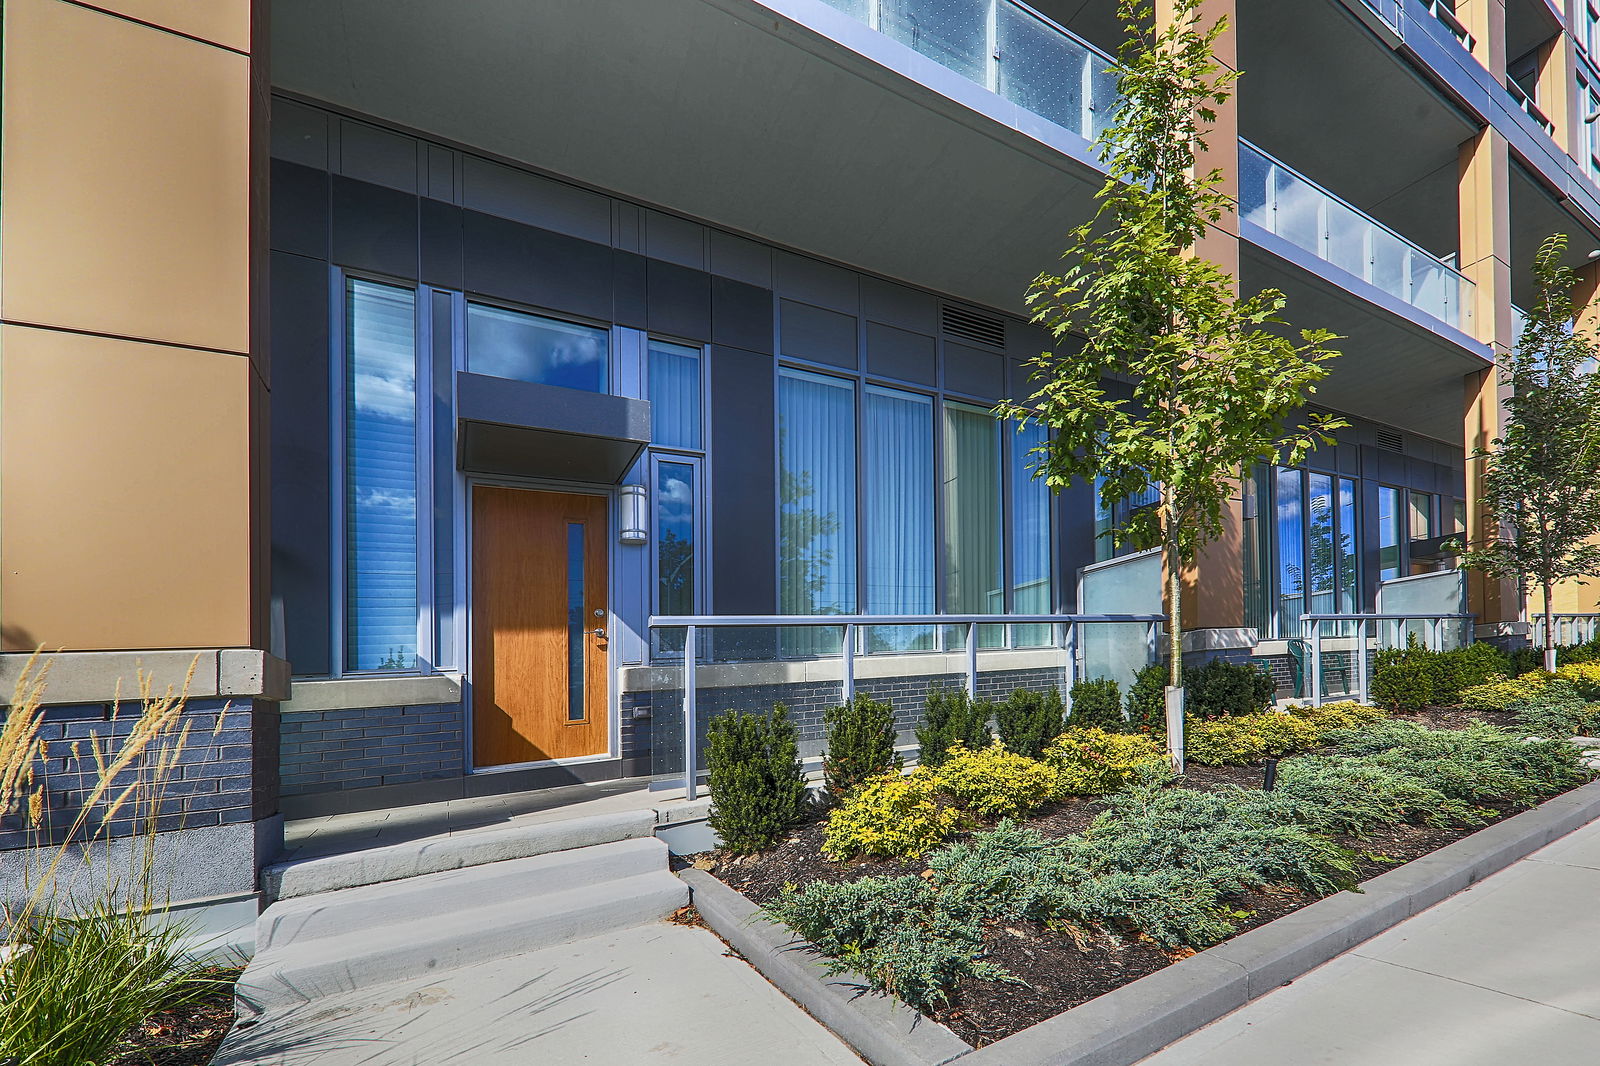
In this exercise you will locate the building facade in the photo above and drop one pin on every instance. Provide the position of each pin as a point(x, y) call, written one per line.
point(401, 361)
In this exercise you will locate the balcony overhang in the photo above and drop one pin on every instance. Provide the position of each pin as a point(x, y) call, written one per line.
point(521, 429)
point(1399, 365)
point(786, 120)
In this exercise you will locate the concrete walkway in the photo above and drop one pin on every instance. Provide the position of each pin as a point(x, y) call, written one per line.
point(1504, 974)
point(658, 993)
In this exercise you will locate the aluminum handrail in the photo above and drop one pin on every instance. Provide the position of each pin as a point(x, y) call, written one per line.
point(1575, 624)
point(1311, 625)
point(691, 624)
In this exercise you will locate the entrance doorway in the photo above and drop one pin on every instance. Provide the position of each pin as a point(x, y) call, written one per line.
point(539, 581)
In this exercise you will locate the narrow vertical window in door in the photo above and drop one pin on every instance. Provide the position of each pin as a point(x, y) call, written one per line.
point(575, 623)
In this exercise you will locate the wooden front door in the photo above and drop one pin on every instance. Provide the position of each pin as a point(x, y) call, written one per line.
point(538, 626)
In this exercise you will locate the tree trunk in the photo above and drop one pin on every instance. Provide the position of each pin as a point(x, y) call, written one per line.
point(1174, 694)
point(1549, 629)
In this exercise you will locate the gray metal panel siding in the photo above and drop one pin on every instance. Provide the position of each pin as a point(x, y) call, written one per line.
point(628, 289)
point(818, 334)
point(741, 315)
point(537, 267)
point(300, 489)
point(374, 228)
point(299, 209)
point(899, 353)
point(744, 496)
point(677, 300)
point(439, 226)
point(974, 371)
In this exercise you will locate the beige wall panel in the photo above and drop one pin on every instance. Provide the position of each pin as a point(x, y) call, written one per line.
point(126, 179)
point(124, 494)
point(225, 22)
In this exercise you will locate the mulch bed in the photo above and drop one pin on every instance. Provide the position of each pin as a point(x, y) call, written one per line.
point(1058, 972)
point(188, 1036)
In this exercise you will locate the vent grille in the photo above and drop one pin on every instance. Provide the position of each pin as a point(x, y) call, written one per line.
point(1388, 438)
point(974, 326)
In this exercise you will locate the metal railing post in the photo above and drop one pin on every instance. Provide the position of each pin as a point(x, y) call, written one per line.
point(972, 660)
point(1361, 660)
point(691, 739)
point(1316, 664)
point(848, 658)
point(1071, 641)
point(1436, 634)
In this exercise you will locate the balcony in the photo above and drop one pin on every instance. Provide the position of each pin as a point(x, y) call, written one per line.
point(1290, 205)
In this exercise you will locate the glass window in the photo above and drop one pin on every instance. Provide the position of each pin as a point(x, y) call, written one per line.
point(1291, 549)
point(1030, 537)
point(1390, 533)
point(380, 477)
point(1258, 551)
point(898, 498)
point(674, 529)
point(817, 502)
point(1109, 521)
point(1421, 513)
point(972, 515)
point(674, 395)
point(1349, 551)
point(1321, 543)
point(952, 33)
point(547, 351)
point(576, 623)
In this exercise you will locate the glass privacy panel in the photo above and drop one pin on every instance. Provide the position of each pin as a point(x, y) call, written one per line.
point(546, 351)
point(817, 499)
point(898, 498)
point(1349, 553)
point(674, 395)
point(576, 622)
point(380, 477)
point(972, 515)
point(1129, 585)
point(1030, 537)
point(1444, 592)
point(952, 33)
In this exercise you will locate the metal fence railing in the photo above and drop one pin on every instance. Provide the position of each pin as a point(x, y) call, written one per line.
point(1569, 628)
point(1356, 636)
point(1062, 632)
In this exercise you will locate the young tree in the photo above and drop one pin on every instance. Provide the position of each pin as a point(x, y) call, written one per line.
point(1213, 376)
point(1541, 481)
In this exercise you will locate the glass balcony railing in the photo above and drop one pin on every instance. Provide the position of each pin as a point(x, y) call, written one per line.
point(1388, 11)
point(1007, 48)
point(1295, 208)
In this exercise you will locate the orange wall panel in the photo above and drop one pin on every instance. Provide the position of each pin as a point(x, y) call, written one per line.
point(224, 22)
point(125, 177)
point(124, 494)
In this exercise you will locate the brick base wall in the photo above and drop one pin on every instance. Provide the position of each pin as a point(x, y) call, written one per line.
point(325, 751)
point(211, 783)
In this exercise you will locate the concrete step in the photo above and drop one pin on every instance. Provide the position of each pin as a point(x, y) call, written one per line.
point(296, 972)
point(304, 877)
point(421, 899)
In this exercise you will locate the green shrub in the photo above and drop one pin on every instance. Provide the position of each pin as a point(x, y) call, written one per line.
point(892, 816)
point(1477, 763)
point(1221, 688)
point(1354, 794)
point(1464, 667)
point(1027, 720)
point(1097, 703)
point(757, 787)
point(995, 782)
point(1557, 711)
point(1247, 738)
point(1345, 714)
point(950, 717)
point(1406, 678)
point(904, 937)
point(861, 740)
point(1584, 678)
point(1092, 762)
point(1147, 701)
point(1502, 693)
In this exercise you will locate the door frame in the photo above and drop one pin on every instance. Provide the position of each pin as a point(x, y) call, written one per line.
point(464, 569)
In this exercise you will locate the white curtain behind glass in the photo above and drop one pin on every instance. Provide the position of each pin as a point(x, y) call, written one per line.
point(817, 501)
point(1030, 536)
point(899, 514)
point(972, 511)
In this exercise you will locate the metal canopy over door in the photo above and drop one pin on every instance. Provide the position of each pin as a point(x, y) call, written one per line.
point(538, 626)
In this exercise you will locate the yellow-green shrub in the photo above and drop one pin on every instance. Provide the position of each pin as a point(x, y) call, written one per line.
point(1586, 676)
point(996, 782)
point(1346, 714)
point(1247, 738)
point(1092, 762)
point(891, 817)
point(1500, 693)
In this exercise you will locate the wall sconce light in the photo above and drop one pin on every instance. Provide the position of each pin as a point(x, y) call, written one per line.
point(633, 499)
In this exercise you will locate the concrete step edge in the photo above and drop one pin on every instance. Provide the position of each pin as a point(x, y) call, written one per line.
point(291, 975)
point(328, 873)
point(301, 919)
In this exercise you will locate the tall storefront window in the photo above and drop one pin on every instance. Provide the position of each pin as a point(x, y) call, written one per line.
point(1288, 500)
point(1390, 533)
point(546, 351)
point(898, 501)
point(1030, 536)
point(380, 477)
point(674, 395)
point(817, 501)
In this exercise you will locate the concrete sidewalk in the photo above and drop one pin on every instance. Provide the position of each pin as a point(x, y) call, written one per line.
point(1504, 974)
point(658, 993)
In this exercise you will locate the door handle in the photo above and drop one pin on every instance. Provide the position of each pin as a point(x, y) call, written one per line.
point(601, 633)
